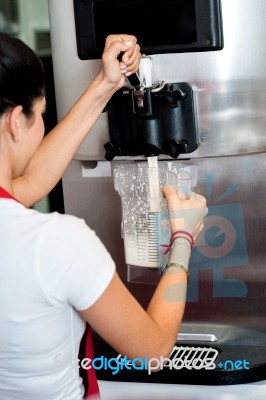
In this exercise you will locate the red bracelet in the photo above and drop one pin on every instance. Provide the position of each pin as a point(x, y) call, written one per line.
point(185, 233)
point(176, 235)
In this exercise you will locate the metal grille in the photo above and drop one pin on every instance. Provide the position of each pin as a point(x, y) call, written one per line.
point(185, 357)
point(192, 357)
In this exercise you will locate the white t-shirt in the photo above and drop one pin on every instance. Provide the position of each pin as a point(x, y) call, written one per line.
point(50, 266)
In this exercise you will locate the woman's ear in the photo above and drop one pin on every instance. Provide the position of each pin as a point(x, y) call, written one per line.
point(14, 121)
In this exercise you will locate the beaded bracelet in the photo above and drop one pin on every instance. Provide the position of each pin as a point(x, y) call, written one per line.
point(177, 243)
point(176, 265)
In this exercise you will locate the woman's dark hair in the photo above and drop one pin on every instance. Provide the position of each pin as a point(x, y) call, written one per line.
point(21, 75)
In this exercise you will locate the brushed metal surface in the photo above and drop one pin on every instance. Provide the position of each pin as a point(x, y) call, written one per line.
point(231, 95)
point(229, 288)
point(230, 84)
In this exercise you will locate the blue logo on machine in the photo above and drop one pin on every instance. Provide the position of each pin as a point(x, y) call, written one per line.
point(221, 244)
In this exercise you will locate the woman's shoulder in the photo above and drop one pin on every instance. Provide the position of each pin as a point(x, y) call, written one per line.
point(65, 223)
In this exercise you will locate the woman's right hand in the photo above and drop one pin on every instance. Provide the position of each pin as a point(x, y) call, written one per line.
point(186, 215)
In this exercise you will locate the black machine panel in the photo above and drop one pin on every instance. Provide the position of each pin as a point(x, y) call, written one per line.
point(166, 124)
point(161, 27)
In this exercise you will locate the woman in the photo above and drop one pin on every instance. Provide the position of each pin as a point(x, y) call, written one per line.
point(55, 274)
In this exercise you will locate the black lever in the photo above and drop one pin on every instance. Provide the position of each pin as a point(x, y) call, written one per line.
point(134, 81)
point(133, 78)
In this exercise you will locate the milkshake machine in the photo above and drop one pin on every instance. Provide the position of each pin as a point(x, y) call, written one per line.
point(194, 116)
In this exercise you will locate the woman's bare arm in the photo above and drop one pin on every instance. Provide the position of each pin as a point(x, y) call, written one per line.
point(119, 318)
point(59, 146)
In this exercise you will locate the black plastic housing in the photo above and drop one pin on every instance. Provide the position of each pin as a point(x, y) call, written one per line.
point(237, 344)
point(160, 27)
point(166, 124)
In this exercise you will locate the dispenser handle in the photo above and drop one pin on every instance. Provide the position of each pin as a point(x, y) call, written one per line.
point(133, 79)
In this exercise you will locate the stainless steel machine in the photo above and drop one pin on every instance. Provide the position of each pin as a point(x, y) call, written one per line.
point(214, 95)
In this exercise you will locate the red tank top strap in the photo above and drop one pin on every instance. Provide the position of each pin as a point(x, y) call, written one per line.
point(5, 195)
point(93, 388)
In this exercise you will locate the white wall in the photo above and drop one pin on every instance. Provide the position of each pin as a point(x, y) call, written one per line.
point(33, 16)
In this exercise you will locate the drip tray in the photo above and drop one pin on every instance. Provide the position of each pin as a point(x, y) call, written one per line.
point(204, 354)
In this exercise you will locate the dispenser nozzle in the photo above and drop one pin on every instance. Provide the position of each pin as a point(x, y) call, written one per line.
point(139, 89)
point(135, 82)
point(143, 80)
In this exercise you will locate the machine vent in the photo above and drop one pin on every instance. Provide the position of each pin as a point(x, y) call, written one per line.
point(188, 357)
point(192, 357)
